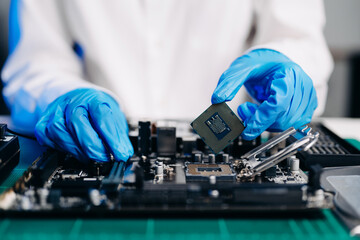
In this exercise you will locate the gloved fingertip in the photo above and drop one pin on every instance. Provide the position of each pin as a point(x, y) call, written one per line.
point(131, 151)
point(97, 156)
point(242, 114)
point(246, 110)
point(215, 99)
point(249, 136)
point(126, 151)
point(123, 155)
point(251, 131)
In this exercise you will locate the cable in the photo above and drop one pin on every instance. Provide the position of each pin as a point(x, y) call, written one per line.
point(20, 134)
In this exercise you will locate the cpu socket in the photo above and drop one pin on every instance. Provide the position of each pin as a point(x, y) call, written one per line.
point(202, 172)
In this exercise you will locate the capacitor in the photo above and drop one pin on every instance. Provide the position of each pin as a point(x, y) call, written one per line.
point(225, 158)
point(25, 203)
point(212, 179)
point(159, 168)
point(3, 128)
point(95, 197)
point(43, 194)
point(295, 165)
point(166, 141)
point(139, 177)
point(28, 200)
point(289, 160)
point(214, 193)
point(197, 157)
point(212, 158)
point(144, 138)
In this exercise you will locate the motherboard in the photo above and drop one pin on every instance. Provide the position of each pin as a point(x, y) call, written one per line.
point(172, 172)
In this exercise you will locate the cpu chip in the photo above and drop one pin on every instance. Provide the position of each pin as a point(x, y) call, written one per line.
point(218, 126)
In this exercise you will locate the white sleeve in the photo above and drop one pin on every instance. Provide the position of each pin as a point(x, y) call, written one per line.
point(42, 66)
point(295, 28)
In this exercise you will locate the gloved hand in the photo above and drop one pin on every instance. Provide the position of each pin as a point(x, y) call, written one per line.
point(284, 92)
point(87, 123)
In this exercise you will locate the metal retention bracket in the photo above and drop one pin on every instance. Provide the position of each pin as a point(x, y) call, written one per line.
point(253, 162)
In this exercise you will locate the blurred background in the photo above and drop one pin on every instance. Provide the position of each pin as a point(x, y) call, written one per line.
point(343, 36)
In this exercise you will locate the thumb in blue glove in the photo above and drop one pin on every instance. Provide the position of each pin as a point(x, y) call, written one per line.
point(284, 93)
point(87, 123)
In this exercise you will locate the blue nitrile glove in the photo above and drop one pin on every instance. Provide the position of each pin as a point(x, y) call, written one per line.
point(87, 123)
point(284, 92)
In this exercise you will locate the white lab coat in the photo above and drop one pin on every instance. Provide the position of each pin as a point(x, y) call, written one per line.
point(159, 58)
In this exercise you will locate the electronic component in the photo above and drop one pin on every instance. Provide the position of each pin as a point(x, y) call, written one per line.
point(166, 141)
point(253, 163)
point(329, 151)
point(218, 126)
point(144, 138)
point(203, 171)
point(212, 158)
point(3, 128)
point(9, 152)
point(165, 177)
point(294, 164)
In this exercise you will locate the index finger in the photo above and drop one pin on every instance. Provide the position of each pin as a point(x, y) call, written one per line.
point(230, 82)
point(110, 124)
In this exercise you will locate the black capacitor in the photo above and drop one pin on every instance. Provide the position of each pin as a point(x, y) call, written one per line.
point(139, 177)
point(166, 141)
point(144, 138)
point(9, 154)
point(225, 158)
point(315, 172)
point(212, 159)
point(3, 128)
point(197, 156)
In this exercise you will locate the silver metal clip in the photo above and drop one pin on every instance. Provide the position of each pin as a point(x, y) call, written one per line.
point(253, 162)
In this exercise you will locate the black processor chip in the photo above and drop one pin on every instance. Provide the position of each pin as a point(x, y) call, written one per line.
point(218, 126)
